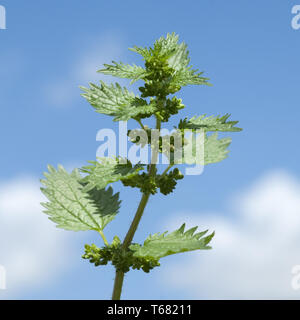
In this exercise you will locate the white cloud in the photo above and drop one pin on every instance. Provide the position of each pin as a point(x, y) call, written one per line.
point(32, 250)
point(254, 250)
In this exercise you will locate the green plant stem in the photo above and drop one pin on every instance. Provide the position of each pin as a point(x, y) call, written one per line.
point(167, 169)
point(141, 124)
point(136, 220)
point(134, 225)
point(127, 241)
point(118, 285)
point(103, 237)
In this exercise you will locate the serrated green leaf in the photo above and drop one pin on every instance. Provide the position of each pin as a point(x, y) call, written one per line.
point(71, 208)
point(188, 76)
point(161, 245)
point(122, 70)
point(106, 202)
point(164, 47)
point(206, 149)
point(168, 46)
point(211, 123)
point(116, 101)
point(199, 149)
point(100, 174)
point(178, 59)
point(184, 74)
point(144, 52)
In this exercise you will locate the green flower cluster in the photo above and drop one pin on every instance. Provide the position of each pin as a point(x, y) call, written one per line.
point(171, 107)
point(167, 182)
point(120, 258)
point(158, 81)
point(149, 184)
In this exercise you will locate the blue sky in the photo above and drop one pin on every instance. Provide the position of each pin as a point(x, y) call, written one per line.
point(251, 54)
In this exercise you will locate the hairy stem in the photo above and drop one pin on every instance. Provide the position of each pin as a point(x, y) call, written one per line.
point(134, 225)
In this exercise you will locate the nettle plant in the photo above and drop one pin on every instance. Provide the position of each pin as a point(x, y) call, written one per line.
point(82, 200)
